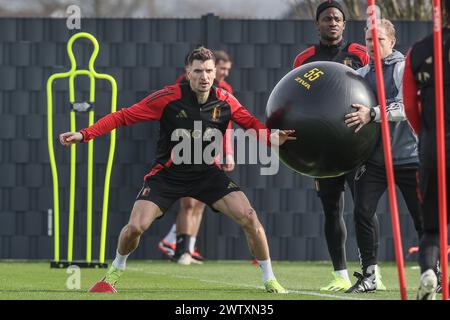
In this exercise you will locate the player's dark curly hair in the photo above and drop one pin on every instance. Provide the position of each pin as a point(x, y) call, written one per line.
point(202, 54)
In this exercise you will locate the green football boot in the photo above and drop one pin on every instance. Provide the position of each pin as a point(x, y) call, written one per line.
point(337, 284)
point(273, 286)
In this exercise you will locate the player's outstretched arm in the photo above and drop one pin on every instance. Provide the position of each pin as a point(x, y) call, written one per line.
point(148, 109)
point(69, 138)
point(246, 120)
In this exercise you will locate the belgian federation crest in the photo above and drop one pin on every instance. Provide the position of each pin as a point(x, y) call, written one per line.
point(215, 116)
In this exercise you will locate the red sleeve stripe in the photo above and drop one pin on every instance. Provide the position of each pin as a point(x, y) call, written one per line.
point(156, 95)
point(158, 168)
point(303, 56)
point(148, 109)
point(360, 51)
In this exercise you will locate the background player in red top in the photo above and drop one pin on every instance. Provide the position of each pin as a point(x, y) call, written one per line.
point(184, 232)
point(330, 22)
point(419, 100)
point(223, 68)
point(168, 180)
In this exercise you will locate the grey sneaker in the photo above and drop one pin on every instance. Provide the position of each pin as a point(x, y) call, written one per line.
point(428, 284)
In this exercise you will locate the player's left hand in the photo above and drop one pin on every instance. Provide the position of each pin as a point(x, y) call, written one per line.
point(279, 137)
point(229, 163)
point(359, 118)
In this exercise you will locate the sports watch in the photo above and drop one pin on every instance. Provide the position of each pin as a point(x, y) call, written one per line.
point(372, 114)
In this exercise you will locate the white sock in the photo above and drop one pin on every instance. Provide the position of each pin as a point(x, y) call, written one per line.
point(120, 262)
point(192, 244)
point(171, 237)
point(342, 273)
point(266, 269)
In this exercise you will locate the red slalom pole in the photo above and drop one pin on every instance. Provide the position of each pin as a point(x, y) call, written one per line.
point(440, 132)
point(387, 150)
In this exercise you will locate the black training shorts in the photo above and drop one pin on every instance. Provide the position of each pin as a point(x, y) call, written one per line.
point(331, 186)
point(168, 185)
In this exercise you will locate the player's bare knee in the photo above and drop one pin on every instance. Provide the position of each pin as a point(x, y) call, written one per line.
point(248, 218)
point(187, 208)
point(135, 230)
point(198, 209)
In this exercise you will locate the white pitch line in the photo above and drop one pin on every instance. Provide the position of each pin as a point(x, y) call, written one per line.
point(306, 293)
point(326, 295)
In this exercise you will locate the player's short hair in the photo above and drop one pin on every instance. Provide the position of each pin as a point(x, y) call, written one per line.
point(388, 26)
point(186, 57)
point(202, 54)
point(222, 56)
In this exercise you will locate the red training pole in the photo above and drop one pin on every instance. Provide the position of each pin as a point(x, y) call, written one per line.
point(387, 150)
point(440, 133)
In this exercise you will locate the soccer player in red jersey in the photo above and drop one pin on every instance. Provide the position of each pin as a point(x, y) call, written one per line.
point(178, 108)
point(179, 242)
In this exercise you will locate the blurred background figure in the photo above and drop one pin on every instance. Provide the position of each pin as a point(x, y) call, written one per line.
point(419, 95)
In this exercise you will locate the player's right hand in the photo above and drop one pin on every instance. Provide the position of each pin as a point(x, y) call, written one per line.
point(278, 137)
point(69, 138)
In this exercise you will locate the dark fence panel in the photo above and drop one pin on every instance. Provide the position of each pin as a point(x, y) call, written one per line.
point(144, 55)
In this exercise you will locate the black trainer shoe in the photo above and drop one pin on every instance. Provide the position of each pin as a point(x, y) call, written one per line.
point(365, 283)
point(439, 282)
point(182, 248)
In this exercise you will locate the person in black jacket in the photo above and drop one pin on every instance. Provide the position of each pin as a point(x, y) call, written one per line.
point(371, 179)
point(419, 96)
point(330, 22)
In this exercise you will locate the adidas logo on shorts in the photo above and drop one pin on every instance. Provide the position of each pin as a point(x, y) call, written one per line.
point(232, 185)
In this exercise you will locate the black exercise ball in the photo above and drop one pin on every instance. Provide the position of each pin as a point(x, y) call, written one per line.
point(313, 99)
